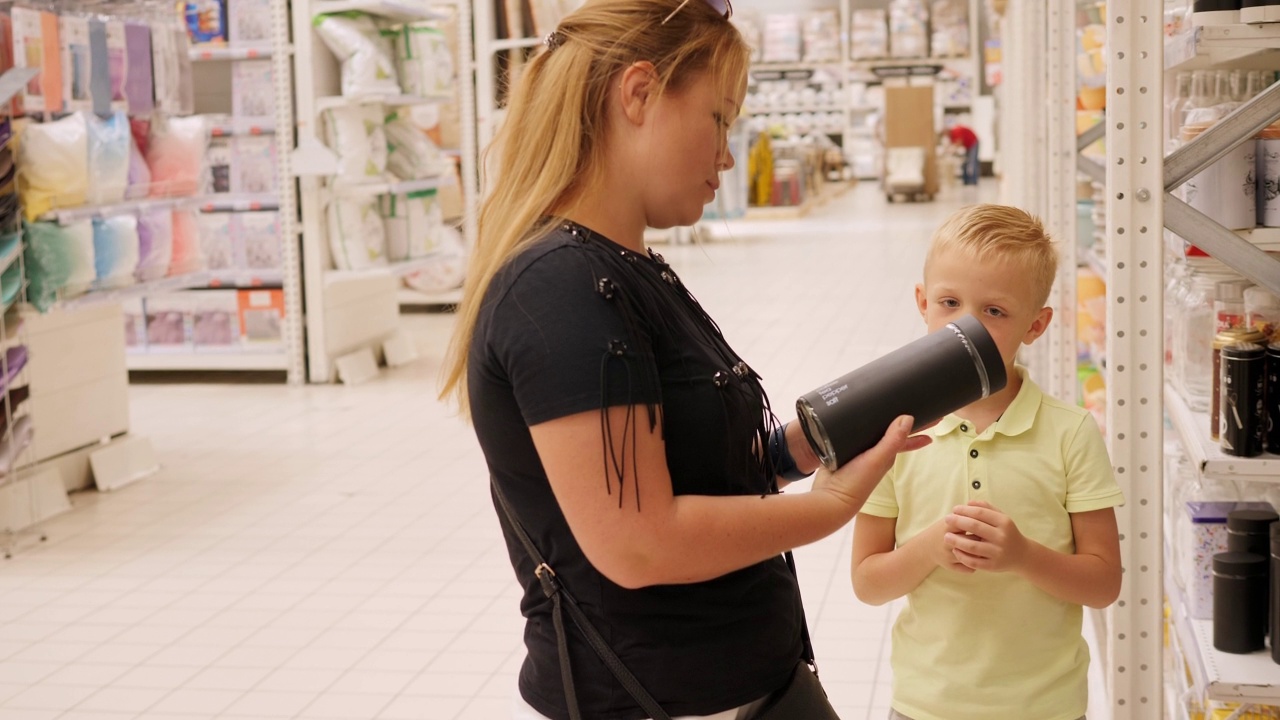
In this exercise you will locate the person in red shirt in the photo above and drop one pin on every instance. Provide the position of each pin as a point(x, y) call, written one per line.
point(968, 139)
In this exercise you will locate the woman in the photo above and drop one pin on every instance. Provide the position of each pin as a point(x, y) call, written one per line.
point(623, 430)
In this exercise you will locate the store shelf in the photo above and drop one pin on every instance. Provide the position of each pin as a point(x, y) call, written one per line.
point(396, 187)
point(1193, 427)
point(399, 269)
point(792, 110)
point(1264, 238)
point(331, 102)
point(905, 62)
point(240, 203)
point(415, 298)
point(66, 216)
point(514, 44)
point(191, 361)
point(12, 254)
point(239, 127)
point(164, 285)
point(246, 278)
point(1224, 677)
point(1224, 46)
point(395, 10)
point(232, 52)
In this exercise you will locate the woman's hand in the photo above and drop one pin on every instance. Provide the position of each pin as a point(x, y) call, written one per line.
point(852, 483)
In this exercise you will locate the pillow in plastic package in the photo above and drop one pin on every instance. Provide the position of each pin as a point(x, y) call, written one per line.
point(59, 262)
point(357, 237)
point(115, 251)
point(356, 134)
point(155, 244)
point(410, 154)
point(448, 266)
point(109, 143)
point(139, 173)
point(367, 61)
point(176, 154)
point(188, 256)
point(413, 222)
point(53, 165)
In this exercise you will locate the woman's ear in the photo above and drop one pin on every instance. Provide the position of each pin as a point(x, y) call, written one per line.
point(636, 87)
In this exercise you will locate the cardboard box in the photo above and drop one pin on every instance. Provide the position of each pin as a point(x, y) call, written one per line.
point(908, 122)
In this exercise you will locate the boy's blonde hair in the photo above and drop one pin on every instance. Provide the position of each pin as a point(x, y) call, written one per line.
point(1004, 234)
point(550, 148)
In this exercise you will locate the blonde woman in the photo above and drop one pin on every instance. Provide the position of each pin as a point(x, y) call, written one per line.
point(634, 449)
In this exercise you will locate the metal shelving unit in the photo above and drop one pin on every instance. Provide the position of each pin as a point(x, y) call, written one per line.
point(290, 357)
point(352, 313)
point(1138, 179)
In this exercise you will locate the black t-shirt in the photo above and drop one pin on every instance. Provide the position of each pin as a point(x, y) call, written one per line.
point(577, 323)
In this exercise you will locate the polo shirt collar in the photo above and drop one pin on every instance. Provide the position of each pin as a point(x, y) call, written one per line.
point(1017, 418)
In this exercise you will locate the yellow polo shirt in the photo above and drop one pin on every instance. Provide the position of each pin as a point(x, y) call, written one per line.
point(992, 645)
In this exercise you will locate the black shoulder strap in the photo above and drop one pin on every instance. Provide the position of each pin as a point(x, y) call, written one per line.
point(560, 599)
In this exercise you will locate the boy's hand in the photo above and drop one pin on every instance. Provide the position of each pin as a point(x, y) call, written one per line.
point(983, 538)
point(939, 551)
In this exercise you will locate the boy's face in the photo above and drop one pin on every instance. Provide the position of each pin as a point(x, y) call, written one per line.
point(999, 293)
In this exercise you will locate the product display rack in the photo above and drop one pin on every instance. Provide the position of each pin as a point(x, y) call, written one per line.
point(351, 314)
point(288, 355)
point(1137, 178)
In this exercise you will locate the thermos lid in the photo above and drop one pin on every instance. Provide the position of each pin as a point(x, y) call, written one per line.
point(1240, 564)
point(1243, 351)
point(1251, 521)
point(986, 354)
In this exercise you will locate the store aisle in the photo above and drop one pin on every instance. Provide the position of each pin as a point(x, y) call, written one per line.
point(331, 552)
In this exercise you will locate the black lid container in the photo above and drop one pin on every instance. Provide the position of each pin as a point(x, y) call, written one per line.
point(1239, 602)
point(1249, 531)
point(926, 379)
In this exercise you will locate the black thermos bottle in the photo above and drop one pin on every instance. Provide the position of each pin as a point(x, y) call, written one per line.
point(1239, 602)
point(926, 379)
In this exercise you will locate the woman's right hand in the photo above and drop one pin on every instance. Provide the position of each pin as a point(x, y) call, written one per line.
point(853, 482)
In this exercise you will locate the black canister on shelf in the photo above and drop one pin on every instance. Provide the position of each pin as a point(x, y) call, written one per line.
point(1249, 531)
point(1273, 615)
point(1272, 399)
point(1243, 412)
point(1239, 602)
point(927, 378)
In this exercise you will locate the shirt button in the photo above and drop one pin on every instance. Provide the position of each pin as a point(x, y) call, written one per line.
point(973, 453)
point(977, 485)
point(964, 428)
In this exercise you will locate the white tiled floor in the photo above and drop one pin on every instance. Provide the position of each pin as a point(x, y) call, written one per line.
point(331, 552)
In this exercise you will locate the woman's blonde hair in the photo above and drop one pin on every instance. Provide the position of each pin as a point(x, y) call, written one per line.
point(1001, 233)
point(550, 147)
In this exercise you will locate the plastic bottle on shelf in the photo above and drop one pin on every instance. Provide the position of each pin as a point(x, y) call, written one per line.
point(1202, 86)
point(1228, 304)
point(1193, 337)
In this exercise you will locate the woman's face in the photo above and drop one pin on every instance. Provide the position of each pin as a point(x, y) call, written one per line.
point(684, 144)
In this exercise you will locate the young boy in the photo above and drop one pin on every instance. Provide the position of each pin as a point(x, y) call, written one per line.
point(1001, 529)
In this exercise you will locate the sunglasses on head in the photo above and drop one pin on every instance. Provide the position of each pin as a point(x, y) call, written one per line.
point(722, 7)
